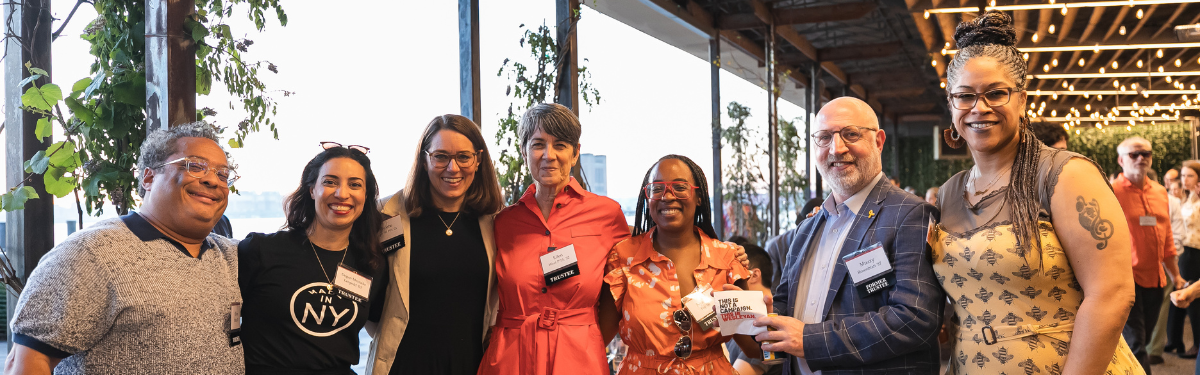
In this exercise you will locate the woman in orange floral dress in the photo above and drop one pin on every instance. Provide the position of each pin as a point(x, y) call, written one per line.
point(673, 231)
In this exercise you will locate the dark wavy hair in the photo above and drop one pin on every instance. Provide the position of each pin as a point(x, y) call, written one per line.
point(642, 221)
point(364, 235)
point(483, 197)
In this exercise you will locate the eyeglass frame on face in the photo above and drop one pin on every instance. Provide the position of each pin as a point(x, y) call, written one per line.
point(360, 148)
point(1148, 154)
point(231, 177)
point(473, 155)
point(687, 332)
point(954, 100)
point(818, 134)
point(674, 192)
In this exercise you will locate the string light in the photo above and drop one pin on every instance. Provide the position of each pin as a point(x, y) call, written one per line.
point(1054, 63)
point(1140, 14)
point(934, 62)
point(1072, 88)
point(1064, 9)
point(1051, 29)
point(1087, 107)
point(927, 14)
point(1026, 56)
point(1160, 69)
point(1178, 63)
point(1102, 70)
point(1114, 64)
point(1122, 31)
point(1081, 62)
point(1139, 64)
point(1046, 68)
point(1064, 84)
point(1159, 53)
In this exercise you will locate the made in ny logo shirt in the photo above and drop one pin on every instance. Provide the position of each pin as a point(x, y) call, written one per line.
point(320, 312)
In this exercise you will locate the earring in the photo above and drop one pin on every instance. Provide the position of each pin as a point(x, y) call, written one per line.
point(952, 138)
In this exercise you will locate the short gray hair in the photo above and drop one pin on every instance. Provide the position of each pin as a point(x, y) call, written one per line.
point(161, 144)
point(1123, 147)
point(554, 119)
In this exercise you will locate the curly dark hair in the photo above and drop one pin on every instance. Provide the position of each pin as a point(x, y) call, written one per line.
point(642, 221)
point(992, 35)
point(301, 210)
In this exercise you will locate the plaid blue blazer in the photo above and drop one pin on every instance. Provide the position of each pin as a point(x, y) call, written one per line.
point(894, 331)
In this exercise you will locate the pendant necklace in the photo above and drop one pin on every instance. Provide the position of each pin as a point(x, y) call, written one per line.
point(977, 173)
point(329, 283)
point(448, 231)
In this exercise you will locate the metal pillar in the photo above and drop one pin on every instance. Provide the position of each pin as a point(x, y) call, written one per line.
point(170, 65)
point(714, 68)
point(814, 103)
point(772, 132)
point(566, 90)
point(468, 60)
point(28, 235)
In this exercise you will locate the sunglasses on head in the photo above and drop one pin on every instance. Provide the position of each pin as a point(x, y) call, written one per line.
point(328, 145)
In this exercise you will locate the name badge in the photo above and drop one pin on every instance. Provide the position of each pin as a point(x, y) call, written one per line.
point(560, 264)
point(1147, 221)
point(391, 238)
point(702, 306)
point(235, 324)
point(870, 269)
point(351, 284)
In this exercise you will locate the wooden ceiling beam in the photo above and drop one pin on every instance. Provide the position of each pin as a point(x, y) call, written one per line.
point(1116, 24)
point(918, 117)
point(1141, 22)
point(736, 39)
point(1043, 28)
point(1020, 19)
point(1170, 21)
point(796, 16)
point(859, 52)
point(1097, 14)
point(898, 93)
point(1068, 23)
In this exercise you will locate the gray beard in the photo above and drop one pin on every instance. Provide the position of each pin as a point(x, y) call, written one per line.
point(866, 169)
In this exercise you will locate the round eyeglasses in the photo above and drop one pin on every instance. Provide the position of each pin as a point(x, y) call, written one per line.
point(198, 168)
point(850, 134)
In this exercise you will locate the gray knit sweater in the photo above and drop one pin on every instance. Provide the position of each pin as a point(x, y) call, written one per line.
point(118, 305)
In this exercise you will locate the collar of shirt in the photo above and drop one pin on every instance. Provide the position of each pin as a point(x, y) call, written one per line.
point(646, 250)
point(1126, 183)
point(573, 190)
point(855, 201)
point(147, 232)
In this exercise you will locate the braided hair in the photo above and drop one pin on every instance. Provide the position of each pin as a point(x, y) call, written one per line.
point(642, 220)
point(992, 35)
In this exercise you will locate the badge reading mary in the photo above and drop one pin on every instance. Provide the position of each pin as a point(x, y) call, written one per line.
point(320, 312)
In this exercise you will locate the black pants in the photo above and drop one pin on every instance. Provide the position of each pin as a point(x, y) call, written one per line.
point(1189, 269)
point(1142, 318)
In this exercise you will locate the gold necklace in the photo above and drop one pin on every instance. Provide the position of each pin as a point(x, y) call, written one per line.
point(329, 283)
point(448, 231)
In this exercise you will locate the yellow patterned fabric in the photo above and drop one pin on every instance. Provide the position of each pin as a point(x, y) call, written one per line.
point(1013, 318)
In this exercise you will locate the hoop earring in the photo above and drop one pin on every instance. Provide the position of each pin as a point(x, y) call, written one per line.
point(953, 138)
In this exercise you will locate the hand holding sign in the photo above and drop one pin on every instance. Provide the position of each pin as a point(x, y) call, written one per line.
point(737, 310)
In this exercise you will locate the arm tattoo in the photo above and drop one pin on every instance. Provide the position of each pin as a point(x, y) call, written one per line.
point(1089, 216)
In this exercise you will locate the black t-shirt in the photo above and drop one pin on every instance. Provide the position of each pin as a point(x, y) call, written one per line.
point(291, 322)
point(448, 293)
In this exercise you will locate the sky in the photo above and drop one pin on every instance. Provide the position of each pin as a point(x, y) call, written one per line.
point(376, 72)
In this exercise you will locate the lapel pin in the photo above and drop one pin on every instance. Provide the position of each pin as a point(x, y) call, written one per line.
point(870, 213)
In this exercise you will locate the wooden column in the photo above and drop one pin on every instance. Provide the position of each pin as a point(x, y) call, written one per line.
point(714, 78)
point(468, 60)
point(170, 65)
point(814, 103)
point(29, 233)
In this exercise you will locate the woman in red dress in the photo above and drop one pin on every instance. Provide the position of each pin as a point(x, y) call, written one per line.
point(552, 247)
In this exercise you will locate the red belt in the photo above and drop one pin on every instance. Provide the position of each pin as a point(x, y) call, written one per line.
point(548, 320)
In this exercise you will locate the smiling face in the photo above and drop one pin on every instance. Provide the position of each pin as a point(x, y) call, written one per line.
point(987, 129)
point(671, 213)
point(550, 159)
point(187, 205)
point(848, 167)
point(450, 184)
point(339, 194)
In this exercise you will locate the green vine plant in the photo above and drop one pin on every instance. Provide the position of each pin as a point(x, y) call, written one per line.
point(743, 176)
point(530, 85)
point(792, 181)
point(106, 118)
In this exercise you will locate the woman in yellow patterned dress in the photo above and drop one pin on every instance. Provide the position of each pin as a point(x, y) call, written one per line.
point(1026, 248)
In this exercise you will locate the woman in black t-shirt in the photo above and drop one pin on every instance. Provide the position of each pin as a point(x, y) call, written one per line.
point(310, 288)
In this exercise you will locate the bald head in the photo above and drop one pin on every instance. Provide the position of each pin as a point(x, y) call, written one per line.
point(849, 109)
point(848, 142)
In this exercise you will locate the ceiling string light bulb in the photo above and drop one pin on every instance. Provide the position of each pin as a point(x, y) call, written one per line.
point(1139, 64)
point(1035, 37)
point(1178, 63)
point(1051, 30)
point(1140, 14)
point(1054, 63)
point(1080, 62)
point(1159, 53)
point(1102, 70)
point(1122, 31)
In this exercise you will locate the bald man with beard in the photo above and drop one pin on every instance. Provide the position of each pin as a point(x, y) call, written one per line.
point(858, 293)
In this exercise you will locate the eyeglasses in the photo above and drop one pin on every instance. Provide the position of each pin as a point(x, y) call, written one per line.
point(993, 98)
point(850, 134)
point(658, 190)
point(683, 321)
point(363, 149)
point(199, 168)
point(465, 159)
point(1140, 154)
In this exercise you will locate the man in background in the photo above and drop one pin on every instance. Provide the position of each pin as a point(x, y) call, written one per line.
point(1050, 134)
